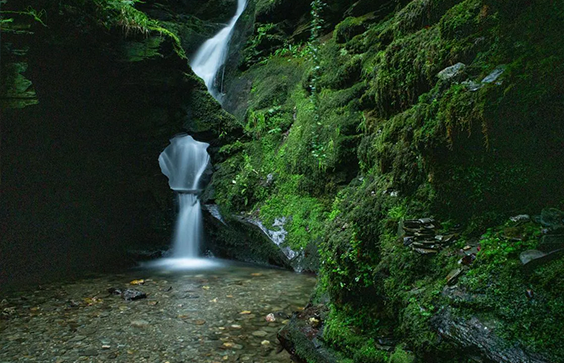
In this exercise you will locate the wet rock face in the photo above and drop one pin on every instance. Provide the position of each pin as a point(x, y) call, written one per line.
point(234, 238)
point(248, 239)
point(476, 335)
point(420, 235)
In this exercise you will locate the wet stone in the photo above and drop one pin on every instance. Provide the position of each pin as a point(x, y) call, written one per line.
point(530, 255)
point(141, 332)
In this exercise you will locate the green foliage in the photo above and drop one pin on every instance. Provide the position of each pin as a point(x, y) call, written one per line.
point(501, 285)
point(347, 29)
point(124, 15)
point(401, 356)
point(372, 136)
point(36, 15)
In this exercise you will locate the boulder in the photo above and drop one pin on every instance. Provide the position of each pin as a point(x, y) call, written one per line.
point(475, 335)
point(450, 73)
point(301, 337)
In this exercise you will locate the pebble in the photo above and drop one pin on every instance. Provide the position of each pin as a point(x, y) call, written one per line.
point(140, 323)
point(180, 328)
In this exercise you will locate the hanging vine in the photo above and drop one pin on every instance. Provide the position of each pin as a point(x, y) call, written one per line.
point(318, 148)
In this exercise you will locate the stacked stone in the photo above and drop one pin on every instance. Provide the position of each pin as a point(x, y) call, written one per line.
point(421, 236)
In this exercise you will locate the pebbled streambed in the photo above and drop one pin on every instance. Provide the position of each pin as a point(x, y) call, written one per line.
point(187, 316)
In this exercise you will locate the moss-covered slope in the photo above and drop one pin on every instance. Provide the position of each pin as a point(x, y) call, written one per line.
point(389, 111)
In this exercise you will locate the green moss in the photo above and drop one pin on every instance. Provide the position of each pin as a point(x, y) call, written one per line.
point(371, 136)
point(348, 29)
point(401, 356)
point(142, 50)
point(502, 286)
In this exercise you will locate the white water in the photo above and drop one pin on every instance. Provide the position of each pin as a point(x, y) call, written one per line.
point(188, 229)
point(211, 56)
point(183, 162)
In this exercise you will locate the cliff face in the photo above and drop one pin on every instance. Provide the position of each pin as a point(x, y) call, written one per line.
point(393, 138)
point(361, 116)
point(91, 96)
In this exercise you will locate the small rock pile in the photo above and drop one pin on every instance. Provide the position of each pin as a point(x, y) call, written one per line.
point(421, 235)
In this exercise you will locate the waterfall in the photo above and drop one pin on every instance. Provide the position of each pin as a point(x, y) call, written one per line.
point(185, 159)
point(211, 56)
point(184, 162)
point(188, 229)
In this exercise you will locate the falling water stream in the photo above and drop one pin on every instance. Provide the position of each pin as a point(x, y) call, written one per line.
point(185, 159)
point(211, 56)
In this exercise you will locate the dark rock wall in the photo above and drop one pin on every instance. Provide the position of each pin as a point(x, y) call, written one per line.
point(80, 178)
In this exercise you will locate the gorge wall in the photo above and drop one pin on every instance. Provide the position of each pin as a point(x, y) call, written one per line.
point(91, 95)
point(396, 138)
point(361, 118)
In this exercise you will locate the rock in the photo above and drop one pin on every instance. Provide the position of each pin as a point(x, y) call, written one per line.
point(530, 255)
point(552, 218)
point(303, 341)
point(199, 322)
point(532, 259)
point(270, 317)
point(89, 352)
point(427, 221)
point(213, 209)
point(472, 334)
point(130, 294)
point(247, 239)
point(425, 251)
point(140, 323)
point(521, 218)
point(453, 276)
point(451, 72)
point(260, 333)
point(494, 75)
point(551, 242)
point(472, 86)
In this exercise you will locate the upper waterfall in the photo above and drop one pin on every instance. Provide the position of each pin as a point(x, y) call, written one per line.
point(211, 56)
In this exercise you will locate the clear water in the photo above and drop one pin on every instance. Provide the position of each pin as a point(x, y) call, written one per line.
point(208, 315)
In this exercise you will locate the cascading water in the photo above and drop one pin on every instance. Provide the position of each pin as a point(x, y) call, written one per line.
point(211, 56)
point(185, 159)
point(183, 162)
